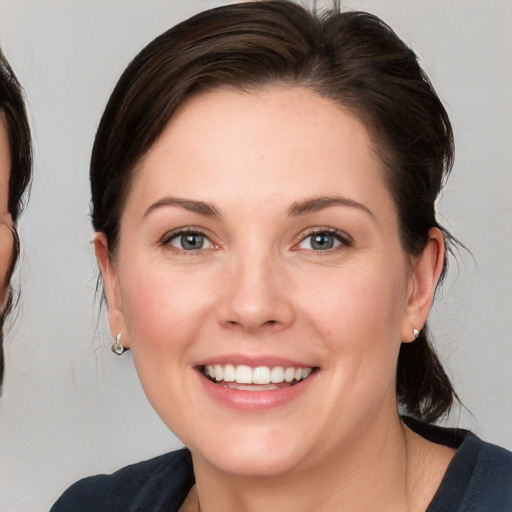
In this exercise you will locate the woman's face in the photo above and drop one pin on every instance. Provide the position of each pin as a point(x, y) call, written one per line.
point(259, 243)
point(6, 240)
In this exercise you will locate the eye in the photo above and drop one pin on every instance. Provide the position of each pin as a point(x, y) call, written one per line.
point(324, 241)
point(188, 241)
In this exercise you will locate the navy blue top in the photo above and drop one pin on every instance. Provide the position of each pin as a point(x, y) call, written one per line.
point(478, 479)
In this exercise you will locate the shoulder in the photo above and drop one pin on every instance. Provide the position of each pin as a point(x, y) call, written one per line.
point(491, 477)
point(158, 484)
point(479, 477)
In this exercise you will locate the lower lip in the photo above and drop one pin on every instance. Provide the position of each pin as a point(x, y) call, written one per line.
point(255, 400)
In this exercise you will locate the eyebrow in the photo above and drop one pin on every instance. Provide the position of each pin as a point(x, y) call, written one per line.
point(310, 205)
point(200, 207)
point(316, 204)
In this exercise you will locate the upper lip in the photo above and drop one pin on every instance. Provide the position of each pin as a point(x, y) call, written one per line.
point(253, 361)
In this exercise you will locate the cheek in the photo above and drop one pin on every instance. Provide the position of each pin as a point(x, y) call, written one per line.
point(359, 316)
point(165, 313)
point(355, 302)
point(162, 308)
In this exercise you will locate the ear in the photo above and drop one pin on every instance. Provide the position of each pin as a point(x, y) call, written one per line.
point(4, 296)
point(6, 256)
point(116, 318)
point(424, 274)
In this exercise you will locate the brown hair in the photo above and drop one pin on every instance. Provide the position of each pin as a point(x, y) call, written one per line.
point(353, 58)
point(20, 148)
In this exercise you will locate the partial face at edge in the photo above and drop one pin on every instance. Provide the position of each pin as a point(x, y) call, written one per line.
point(6, 240)
point(259, 233)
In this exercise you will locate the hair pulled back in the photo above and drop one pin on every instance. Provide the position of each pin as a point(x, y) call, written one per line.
point(12, 107)
point(353, 58)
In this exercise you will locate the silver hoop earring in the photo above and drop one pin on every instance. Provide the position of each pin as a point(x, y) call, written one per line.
point(415, 332)
point(117, 346)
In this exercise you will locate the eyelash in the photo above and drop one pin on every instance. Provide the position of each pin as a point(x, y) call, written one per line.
point(345, 240)
point(168, 237)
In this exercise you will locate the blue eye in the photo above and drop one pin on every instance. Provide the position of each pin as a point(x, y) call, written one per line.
point(189, 241)
point(322, 241)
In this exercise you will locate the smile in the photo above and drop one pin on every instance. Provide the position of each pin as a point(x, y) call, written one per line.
point(245, 378)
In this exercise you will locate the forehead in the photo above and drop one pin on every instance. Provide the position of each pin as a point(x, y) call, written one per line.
point(276, 143)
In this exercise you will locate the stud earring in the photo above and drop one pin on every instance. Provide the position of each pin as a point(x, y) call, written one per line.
point(415, 332)
point(117, 346)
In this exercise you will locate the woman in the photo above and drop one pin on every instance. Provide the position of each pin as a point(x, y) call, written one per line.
point(15, 173)
point(263, 187)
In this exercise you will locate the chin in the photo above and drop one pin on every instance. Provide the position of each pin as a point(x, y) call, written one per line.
point(256, 454)
point(251, 463)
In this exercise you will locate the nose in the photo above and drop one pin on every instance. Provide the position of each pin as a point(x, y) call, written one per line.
point(255, 296)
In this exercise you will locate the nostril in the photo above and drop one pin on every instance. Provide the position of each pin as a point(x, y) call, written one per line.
point(268, 324)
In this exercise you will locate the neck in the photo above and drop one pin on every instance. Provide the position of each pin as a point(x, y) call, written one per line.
point(376, 472)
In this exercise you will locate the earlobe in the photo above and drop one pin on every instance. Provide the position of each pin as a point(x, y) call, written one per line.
point(111, 286)
point(424, 276)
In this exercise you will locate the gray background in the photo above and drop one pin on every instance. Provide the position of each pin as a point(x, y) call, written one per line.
point(70, 407)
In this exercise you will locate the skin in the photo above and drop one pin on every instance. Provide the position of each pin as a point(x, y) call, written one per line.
point(259, 288)
point(6, 240)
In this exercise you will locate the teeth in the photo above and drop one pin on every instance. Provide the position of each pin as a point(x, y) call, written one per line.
point(277, 374)
point(243, 375)
point(229, 373)
point(261, 375)
point(305, 373)
point(289, 374)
